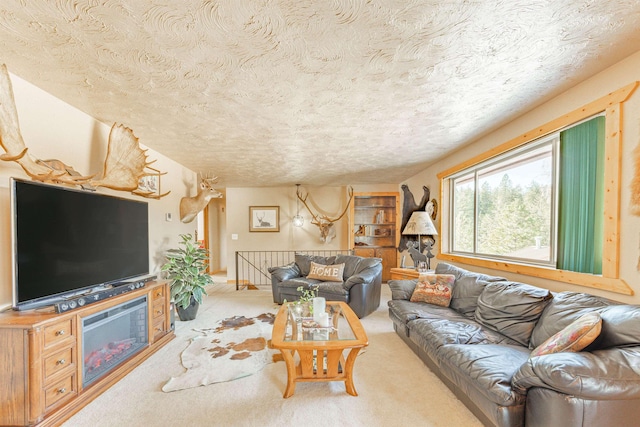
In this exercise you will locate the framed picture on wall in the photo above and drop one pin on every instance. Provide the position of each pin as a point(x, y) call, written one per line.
point(149, 185)
point(264, 218)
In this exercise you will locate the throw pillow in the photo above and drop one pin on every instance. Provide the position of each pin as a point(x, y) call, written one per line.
point(304, 262)
point(434, 289)
point(469, 285)
point(327, 273)
point(576, 336)
point(512, 308)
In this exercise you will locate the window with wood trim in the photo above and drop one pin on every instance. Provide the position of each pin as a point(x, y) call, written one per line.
point(469, 189)
point(540, 204)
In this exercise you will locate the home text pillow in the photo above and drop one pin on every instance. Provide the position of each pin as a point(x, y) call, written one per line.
point(512, 308)
point(576, 336)
point(434, 289)
point(327, 273)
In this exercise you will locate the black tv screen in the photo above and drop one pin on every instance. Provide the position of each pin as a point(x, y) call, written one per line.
point(66, 241)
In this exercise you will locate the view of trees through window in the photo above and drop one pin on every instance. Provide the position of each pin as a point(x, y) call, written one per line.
point(513, 200)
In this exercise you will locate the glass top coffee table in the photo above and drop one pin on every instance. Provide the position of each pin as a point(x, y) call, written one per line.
point(319, 349)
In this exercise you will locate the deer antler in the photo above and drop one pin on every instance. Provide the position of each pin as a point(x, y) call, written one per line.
point(207, 179)
point(317, 219)
point(304, 202)
point(350, 193)
point(323, 222)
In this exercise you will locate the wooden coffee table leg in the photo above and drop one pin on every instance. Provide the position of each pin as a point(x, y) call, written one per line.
point(348, 371)
point(291, 372)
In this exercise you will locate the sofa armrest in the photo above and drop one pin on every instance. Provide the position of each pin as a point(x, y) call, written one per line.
point(603, 375)
point(285, 272)
point(368, 275)
point(402, 289)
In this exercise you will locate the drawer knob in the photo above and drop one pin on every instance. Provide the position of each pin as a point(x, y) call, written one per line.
point(61, 362)
point(159, 294)
point(62, 390)
point(60, 332)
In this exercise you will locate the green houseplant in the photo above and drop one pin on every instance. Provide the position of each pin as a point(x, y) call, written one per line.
point(187, 269)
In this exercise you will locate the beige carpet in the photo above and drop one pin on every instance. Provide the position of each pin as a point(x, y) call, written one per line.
point(395, 388)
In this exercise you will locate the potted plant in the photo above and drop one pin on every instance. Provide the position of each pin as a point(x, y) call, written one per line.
point(187, 269)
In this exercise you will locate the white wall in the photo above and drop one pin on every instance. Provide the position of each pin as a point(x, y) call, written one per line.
point(597, 86)
point(54, 129)
point(324, 200)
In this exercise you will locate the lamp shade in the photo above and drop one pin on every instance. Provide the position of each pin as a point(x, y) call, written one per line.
point(420, 223)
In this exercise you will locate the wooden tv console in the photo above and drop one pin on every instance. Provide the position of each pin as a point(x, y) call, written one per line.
point(40, 351)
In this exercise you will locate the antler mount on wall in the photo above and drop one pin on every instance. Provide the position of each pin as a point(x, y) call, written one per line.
point(125, 164)
point(322, 221)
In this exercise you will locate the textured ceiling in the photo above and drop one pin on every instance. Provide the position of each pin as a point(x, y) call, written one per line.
point(269, 93)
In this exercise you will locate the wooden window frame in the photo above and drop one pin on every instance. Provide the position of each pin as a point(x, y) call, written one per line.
point(610, 279)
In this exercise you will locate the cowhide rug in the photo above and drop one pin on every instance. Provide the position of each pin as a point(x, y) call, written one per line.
point(236, 348)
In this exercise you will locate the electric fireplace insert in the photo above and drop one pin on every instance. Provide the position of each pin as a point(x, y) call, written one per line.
point(112, 336)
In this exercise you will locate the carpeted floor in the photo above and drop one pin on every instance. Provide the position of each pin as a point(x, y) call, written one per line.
point(395, 388)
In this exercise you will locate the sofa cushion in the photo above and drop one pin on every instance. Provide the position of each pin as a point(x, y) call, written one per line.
point(512, 308)
point(296, 282)
point(565, 308)
point(432, 333)
point(486, 368)
point(576, 336)
point(406, 311)
point(351, 264)
point(620, 322)
point(402, 289)
point(333, 291)
point(468, 287)
point(620, 326)
point(285, 272)
point(433, 289)
point(304, 262)
point(366, 263)
point(599, 375)
point(326, 273)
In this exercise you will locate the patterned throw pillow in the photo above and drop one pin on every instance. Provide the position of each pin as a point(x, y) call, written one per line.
point(327, 273)
point(434, 289)
point(576, 336)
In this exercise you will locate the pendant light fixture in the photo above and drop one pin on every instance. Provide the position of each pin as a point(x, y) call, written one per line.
point(298, 220)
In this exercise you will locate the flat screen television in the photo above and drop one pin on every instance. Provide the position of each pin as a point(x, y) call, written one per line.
point(68, 242)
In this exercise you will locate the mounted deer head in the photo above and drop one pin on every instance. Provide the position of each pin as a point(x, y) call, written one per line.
point(323, 222)
point(190, 206)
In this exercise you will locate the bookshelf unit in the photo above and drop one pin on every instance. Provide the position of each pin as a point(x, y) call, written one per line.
point(374, 229)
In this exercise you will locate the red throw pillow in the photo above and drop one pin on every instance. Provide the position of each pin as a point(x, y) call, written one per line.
point(434, 289)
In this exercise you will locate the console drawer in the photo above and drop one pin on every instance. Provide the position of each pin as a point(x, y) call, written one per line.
point(158, 293)
point(158, 309)
point(57, 362)
point(58, 332)
point(159, 328)
point(59, 391)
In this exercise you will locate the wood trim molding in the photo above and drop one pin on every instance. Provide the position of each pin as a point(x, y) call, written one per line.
point(611, 104)
point(595, 107)
point(581, 279)
point(612, 191)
